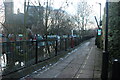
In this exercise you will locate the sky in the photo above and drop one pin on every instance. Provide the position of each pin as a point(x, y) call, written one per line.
point(57, 3)
point(71, 9)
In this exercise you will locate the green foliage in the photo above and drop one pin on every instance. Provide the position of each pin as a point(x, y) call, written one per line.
point(114, 30)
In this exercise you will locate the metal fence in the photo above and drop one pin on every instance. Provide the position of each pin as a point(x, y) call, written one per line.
point(17, 55)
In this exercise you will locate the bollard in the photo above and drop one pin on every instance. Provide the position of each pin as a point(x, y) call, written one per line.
point(104, 74)
point(116, 70)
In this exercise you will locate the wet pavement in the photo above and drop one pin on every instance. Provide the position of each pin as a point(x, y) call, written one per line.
point(83, 62)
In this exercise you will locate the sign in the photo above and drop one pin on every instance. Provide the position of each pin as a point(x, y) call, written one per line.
point(99, 32)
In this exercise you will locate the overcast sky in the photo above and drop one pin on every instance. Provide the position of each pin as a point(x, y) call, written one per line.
point(58, 3)
point(71, 9)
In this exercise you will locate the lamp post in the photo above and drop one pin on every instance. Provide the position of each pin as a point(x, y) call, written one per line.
point(100, 24)
point(105, 61)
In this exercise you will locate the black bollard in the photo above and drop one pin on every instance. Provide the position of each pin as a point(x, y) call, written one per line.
point(116, 70)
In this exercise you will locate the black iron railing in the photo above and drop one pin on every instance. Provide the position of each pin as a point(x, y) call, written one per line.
point(17, 55)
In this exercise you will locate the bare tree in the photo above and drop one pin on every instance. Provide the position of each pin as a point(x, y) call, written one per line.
point(61, 22)
point(3, 28)
point(58, 17)
point(82, 17)
point(51, 18)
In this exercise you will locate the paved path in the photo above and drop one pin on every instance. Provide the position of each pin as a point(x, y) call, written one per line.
point(83, 62)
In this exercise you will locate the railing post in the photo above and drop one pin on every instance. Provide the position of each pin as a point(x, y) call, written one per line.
point(65, 44)
point(60, 44)
point(36, 52)
point(72, 42)
point(56, 47)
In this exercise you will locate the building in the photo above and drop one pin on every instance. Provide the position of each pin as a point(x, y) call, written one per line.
point(8, 11)
point(16, 23)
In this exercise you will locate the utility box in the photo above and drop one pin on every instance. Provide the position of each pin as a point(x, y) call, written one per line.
point(116, 69)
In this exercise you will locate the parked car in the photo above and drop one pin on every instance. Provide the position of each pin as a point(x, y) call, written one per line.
point(19, 37)
point(11, 37)
point(51, 37)
point(39, 38)
point(1, 38)
point(64, 36)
